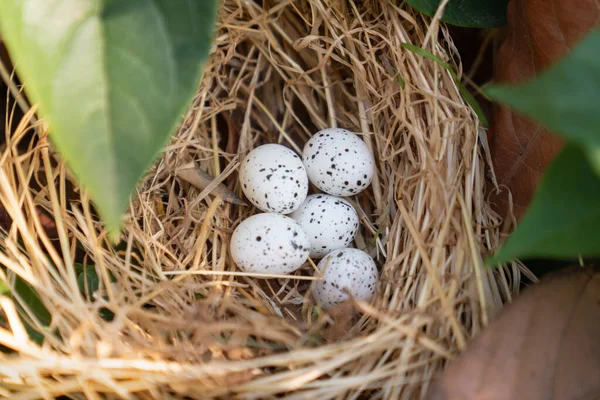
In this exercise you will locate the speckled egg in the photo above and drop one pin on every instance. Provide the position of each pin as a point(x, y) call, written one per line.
point(330, 222)
point(269, 243)
point(338, 162)
point(273, 178)
point(348, 268)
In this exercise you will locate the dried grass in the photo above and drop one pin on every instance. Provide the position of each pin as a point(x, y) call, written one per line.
point(186, 322)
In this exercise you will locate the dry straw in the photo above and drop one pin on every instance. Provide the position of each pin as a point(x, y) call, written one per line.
point(186, 323)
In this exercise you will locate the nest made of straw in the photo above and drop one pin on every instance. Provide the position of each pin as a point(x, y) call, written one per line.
point(173, 318)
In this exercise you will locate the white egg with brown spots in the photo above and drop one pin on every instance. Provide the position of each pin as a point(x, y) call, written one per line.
point(338, 162)
point(350, 269)
point(330, 222)
point(269, 243)
point(274, 179)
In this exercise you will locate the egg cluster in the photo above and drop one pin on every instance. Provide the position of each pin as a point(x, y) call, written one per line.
point(275, 180)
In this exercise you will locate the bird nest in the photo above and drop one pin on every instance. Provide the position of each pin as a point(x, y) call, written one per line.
point(165, 313)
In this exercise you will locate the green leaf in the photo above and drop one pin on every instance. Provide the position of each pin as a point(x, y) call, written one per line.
point(32, 300)
point(593, 154)
point(461, 88)
point(427, 54)
point(34, 304)
point(4, 289)
point(473, 103)
point(78, 267)
point(112, 78)
point(399, 78)
point(472, 13)
point(88, 281)
point(106, 314)
point(564, 98)
point(563, 219)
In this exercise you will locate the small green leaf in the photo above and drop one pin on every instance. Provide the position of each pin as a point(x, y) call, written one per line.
point(427, 54)
point(563, 219)
point(471, 13)
point(461, 88)
point(88, 281)
point(593, 154)
point(112, 78)
point(78, 267)
point(106, 314)
point(564, 98)
point(4, 289)
point(32, 301)
point(399, 78)
point(400, 81)
point(474, 104)
point(34, 304)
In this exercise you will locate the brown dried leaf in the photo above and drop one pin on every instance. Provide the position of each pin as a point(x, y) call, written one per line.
point(544, 346)
point(539, 33)
point(193, 174)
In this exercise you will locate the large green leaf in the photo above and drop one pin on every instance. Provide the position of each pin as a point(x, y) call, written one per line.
point(565, 97)
point(563, 219)
point(473, 13)
point(112, 78)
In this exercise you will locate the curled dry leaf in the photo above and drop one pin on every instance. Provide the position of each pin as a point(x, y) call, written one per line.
point(539, 33)
point(193, 174)
point(544, 346)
